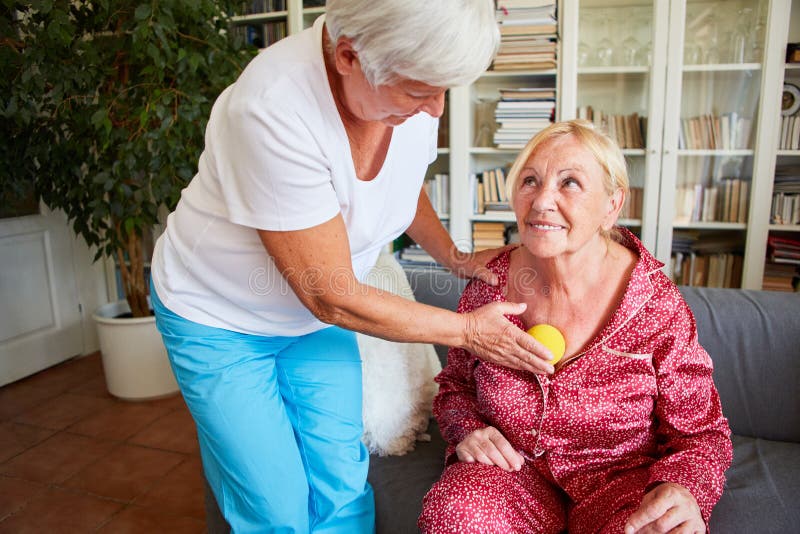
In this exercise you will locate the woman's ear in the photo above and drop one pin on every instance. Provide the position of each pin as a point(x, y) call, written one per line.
point(615, 202)
point(345, 56)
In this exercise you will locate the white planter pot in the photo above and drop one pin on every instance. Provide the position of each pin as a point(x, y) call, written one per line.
point(134, 358)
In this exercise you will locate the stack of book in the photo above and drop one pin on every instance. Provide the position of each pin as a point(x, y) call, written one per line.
point(489, 192)
point(438, 189)
point(415, 254)
point(632, 209)
point(786, 196)
point(783, 250)
point(780, 277)
point(521, 113)
point(724, 202)
point(528, 35)
point(715, 260)
point(488, 235)
point(782, 270)
point(728, 131)
point(629, 131)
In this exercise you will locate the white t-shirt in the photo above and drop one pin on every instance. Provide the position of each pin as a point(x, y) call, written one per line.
point(277, 157)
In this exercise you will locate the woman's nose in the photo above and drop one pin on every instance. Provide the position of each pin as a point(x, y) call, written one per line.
point(544, 199)
point(434, 106)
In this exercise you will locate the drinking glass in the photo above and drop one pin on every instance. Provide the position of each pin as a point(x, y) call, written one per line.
point(604, 50)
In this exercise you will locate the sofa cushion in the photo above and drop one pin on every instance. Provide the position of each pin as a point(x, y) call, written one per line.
point(753, 338)
point(760, 488)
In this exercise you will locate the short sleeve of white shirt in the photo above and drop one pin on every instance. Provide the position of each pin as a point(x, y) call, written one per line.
point(269, 164)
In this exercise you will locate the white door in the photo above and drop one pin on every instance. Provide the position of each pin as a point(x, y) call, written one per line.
point(40, 318)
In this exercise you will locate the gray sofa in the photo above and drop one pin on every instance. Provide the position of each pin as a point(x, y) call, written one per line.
point(753, 338)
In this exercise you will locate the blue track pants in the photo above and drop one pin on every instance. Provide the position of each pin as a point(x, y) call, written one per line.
point(279, 425)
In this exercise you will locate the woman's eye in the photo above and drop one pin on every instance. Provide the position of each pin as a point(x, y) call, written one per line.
point(529, 180)
point(570, 182)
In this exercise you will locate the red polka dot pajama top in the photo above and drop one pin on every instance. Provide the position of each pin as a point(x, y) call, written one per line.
point(635, 408)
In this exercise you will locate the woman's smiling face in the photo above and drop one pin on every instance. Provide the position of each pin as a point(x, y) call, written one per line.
point(561, 201)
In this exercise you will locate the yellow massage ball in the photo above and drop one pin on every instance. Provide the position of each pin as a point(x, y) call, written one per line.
point(550, 337)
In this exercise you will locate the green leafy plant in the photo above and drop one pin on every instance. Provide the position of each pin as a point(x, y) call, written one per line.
point(104, 106)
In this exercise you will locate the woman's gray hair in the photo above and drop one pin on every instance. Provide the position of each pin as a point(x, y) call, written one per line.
point(443, 43)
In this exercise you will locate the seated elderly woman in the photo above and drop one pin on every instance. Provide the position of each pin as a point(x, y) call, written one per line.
point(627, 434)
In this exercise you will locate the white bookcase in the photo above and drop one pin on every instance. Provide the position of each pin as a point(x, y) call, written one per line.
point(692, 72)
point(671, 60)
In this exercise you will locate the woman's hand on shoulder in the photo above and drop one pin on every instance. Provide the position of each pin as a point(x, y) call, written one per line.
point(488, 446)
point(493, 338)
point(668, 507)
point(473, 264)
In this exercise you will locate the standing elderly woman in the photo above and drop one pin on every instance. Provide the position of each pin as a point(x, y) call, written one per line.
point(314, 161)
point(627, 435)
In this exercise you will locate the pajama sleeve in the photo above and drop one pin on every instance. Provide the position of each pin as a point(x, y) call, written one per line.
point(456, 406)
point(695, 447)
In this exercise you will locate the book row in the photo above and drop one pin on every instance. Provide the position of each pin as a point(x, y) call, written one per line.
point(785, 208)
point(632, 209)
point(438, 189)
point(629, 131)
point(262, 35)
point(728, 131)
point(488, 191)
point(709, 270)
point(725, 202)
point(790, 133)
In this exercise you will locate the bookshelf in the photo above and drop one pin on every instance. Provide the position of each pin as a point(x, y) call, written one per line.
point(483, 133)
point(264, 22)
point(784, 224)
point(668, 63)
point(688, 79)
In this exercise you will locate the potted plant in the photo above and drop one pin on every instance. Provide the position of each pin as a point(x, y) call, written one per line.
point(105, 106)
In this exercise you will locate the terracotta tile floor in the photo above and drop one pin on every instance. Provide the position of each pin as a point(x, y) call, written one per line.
point(75, 459)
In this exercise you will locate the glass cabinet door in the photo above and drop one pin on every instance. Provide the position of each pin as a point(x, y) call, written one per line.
point(711, 112)
point(621, 55)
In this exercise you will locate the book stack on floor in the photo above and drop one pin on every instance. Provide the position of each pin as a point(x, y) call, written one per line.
point(438, 189)
point(713, 260)
point(629, 131)
point(488, 235)
point(728, 131)
point(489, 192)
point(786, 196)
point(528, 35)
point(724, 202)
point(521, 113)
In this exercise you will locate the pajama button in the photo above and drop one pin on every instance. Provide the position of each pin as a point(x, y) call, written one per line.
point(533, 432)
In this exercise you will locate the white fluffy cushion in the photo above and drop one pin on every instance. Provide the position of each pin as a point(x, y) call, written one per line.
point(398, 377)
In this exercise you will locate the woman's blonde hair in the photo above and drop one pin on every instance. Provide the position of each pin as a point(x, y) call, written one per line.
point(605, 150)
